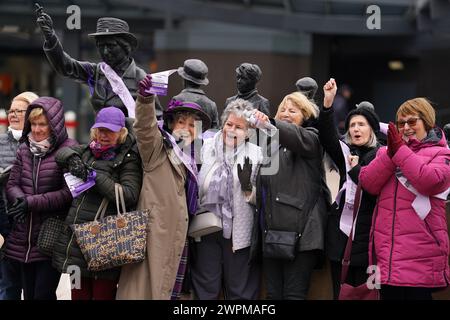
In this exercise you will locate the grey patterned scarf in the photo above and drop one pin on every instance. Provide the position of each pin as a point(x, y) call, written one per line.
point(39, 149)
point(219, 197)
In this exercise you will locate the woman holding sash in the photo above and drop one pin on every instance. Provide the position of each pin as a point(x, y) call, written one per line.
point(169, 190)
point(356, 151)
point(411, 179)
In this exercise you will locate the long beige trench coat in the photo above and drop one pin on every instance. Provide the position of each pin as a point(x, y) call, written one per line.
point(162, 192)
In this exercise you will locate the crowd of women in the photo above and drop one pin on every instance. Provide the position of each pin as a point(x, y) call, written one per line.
point(276, 227)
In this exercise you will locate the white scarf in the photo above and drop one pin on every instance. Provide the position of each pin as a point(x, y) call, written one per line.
point(17, 134)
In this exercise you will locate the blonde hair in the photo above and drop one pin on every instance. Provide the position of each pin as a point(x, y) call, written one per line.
point(123, 133)
point(307, 107)
point(35, 113)
point(421, 107)
point(26, 96)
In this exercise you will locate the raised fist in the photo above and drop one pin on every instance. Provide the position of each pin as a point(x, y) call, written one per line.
point(329, 92)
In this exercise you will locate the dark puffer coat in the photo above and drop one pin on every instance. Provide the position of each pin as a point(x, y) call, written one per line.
point(125, 169)
point(49, 195)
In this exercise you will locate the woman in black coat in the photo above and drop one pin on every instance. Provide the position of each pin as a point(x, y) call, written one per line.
point(292, 198)
point(361, 129)
point(114, 156)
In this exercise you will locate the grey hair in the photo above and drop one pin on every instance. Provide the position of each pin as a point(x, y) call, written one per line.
point(237, 107)
point(372, 143)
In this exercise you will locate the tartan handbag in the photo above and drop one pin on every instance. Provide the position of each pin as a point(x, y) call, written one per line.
point(50, 231)
point(115, 240)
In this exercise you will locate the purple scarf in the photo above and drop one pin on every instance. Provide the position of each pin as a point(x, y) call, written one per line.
point(103, 152)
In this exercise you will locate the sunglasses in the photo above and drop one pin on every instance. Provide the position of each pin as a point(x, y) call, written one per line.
point(411, 122)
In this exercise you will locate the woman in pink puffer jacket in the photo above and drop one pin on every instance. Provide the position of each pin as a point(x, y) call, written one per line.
point(408, 238)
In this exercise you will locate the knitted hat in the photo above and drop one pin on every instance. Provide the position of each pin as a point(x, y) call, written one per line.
point(367, 113)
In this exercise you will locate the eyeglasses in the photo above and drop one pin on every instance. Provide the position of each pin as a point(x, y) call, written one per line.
point(411, 122)
point(16, 112)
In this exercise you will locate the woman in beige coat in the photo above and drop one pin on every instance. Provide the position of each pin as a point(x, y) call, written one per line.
point(163, 192)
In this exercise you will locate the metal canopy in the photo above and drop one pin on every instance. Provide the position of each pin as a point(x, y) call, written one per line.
point(337, 17)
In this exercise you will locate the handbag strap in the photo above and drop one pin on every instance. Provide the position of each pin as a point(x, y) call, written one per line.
point(101, 209)
point(373, 256)
point(119, 198)
point(348, 247)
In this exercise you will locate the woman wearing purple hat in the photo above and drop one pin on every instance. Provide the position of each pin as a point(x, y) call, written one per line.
point(169, 189)
point(113, 155)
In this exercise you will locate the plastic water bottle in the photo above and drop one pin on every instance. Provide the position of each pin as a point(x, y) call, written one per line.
point(265, 126)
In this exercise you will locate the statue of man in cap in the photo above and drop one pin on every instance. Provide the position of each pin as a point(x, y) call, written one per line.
point(108, 80)
point(194, 72)
point(247, 76)
point(307, 86)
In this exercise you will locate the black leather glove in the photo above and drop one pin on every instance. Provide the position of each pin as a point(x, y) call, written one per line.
point(77, 167)
point(244, 174)
point(45, 23)
point(19, 210)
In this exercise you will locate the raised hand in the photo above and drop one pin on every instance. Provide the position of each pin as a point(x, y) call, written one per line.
point(329, 92)
point(394, 140)
point(244, 174)
point(44, 22)
point(145, 85)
